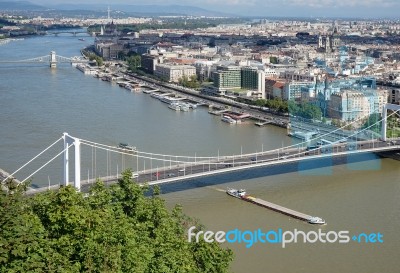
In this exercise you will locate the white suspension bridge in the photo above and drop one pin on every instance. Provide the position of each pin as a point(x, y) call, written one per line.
point(171, 168)
point(52, 59)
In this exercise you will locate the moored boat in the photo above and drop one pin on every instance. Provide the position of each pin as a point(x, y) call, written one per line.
point(228, 119)
point(174, 106)
point(236, 193)
point(184, 107)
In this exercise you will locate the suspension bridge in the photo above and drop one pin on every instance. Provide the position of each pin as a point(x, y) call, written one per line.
point(52, 59)
point(164, 168)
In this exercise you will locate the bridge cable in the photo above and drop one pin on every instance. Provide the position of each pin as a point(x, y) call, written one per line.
point(48, 162)
point(116, 150)
point(32, 159)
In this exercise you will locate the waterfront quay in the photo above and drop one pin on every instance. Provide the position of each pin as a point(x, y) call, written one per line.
point(220, 102)
point(217, 105)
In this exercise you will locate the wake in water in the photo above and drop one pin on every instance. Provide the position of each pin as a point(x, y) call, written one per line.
point(216, 188)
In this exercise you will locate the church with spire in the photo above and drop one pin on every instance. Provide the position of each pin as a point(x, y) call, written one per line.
point(329, 43)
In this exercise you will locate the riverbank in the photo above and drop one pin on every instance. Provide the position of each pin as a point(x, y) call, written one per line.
point(216, 102)
point(4, 175)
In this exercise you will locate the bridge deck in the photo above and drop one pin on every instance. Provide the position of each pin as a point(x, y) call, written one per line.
point(188, 171)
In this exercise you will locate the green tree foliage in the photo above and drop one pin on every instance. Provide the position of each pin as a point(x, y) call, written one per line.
point(273, 60)
point(305, 110)
point(274, 104)
point(134, 62)
point(191, 82)
point(99, 60)
point(111, 229)
point(93, 57)
point(372, 119)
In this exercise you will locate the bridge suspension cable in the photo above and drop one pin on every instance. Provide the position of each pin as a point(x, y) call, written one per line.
point(188, 160)
point(324, 135)
point(48, 162)
point(39, 154)
point(354, 134)
point(146, 155)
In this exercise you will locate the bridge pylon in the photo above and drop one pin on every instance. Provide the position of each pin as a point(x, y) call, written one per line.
point(53, 59)
point(68, 141)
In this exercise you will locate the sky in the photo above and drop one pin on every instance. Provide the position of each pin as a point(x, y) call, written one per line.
point(294, 8)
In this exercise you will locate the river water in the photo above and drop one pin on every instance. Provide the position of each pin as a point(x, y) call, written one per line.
point(38, 104)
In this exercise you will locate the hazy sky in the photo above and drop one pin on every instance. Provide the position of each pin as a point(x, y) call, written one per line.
point(304, 8)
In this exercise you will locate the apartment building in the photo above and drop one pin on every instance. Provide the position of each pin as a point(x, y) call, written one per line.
point(173, 73)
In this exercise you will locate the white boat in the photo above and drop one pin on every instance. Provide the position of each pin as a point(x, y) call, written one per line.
point(174, 106)
point(184, 107)
point(155, 95)
point(193, 106)
point(127, 147)
point(316, 220)
point(236, 193)
point(228, 119)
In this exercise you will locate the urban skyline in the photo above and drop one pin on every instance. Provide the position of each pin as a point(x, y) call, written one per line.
point(291, 8)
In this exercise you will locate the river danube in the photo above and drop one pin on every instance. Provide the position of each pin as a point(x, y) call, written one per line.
point(38, 104)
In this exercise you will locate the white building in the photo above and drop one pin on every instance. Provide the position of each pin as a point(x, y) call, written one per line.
point(174, 73)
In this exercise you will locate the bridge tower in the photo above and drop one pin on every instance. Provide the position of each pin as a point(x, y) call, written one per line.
point(68, 140)
point(53, 59)
point(388, 106)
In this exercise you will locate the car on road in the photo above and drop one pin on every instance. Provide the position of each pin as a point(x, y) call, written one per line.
point(253, 159)
point(170, 175)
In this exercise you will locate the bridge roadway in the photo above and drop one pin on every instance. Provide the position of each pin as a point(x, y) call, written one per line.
point(186, 171)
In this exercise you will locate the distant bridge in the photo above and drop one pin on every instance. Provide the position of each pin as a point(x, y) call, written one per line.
point(52, 59)
point(72, 32)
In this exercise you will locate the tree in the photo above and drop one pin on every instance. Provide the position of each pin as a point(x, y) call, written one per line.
point(305, 110)
point(111, 229)
point(191, 82)
point(370, 122)
point(93, 57)
point(273, 60)
point(134, 62)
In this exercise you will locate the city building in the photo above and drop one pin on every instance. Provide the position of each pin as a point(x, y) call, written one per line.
point(350, 105)
point(394, 96)
point(204, 69)
point(293, 90)
point(227, 77)
point(108, 50)
point(329, 43)
point(253, 79)
point(149, 62)
point(240, 77)
point(173, 73)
